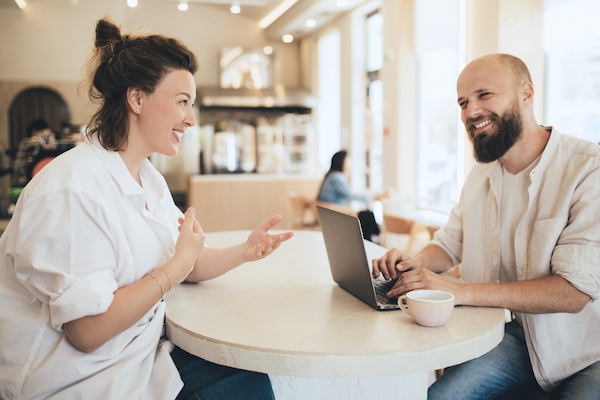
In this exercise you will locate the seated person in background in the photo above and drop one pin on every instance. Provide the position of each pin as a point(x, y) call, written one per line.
point(96, 241)
point(527, 232)
point(335, 187)
point(40, 129)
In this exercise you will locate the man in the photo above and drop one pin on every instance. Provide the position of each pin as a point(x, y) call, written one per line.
point(527, 231)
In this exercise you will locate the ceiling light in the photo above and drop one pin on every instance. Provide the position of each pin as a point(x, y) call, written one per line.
point(235, 7)
point(287, 38)
point(268, 50)
point(183, 5)
point(132, 3)
point(341, 3)
point(21, 4)
point(311, 23)
point(276, 13)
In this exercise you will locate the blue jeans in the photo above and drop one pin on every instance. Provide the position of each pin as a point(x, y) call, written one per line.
point(505, 372)
point(207, 381)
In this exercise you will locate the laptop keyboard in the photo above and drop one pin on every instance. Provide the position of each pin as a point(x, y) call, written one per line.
point(381, 289)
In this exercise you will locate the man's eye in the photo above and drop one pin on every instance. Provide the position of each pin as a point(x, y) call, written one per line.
point(484, 95)
point(462, 104)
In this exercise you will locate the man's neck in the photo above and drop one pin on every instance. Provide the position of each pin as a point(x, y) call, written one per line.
point(526, 150)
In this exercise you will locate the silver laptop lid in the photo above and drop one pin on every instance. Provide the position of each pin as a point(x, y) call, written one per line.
point(346, 253)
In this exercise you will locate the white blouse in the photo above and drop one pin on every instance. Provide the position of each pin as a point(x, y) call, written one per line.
point(79, 232)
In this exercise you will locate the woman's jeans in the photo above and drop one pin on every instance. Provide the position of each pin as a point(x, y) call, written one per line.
point(207, 381)
point(505, 372)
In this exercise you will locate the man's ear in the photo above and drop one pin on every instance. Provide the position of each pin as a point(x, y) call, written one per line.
point(134, 99)
point(526, 94)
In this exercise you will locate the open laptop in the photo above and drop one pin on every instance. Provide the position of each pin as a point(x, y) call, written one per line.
point(350, 266)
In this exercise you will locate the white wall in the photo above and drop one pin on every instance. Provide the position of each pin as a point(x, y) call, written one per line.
point(50, 39)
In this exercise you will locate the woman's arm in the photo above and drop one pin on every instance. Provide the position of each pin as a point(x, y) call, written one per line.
point(132, 302)
point(212, 263)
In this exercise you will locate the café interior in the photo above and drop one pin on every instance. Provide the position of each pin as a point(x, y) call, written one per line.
point(282, 85)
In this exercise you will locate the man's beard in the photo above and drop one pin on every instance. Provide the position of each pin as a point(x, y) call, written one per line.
point(488, 147)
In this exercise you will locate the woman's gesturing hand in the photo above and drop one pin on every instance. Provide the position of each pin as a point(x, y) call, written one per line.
point(191, 238)
point(260, 244)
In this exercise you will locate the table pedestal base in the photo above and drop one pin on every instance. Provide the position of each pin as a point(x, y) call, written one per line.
point(400, 387)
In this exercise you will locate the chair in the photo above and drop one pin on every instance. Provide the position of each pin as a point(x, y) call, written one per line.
point(404, 226)
point(305, 212)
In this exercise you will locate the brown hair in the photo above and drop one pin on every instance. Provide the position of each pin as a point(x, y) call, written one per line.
point(131, 61)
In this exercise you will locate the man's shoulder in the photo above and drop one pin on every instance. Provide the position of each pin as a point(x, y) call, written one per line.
point(578, 146)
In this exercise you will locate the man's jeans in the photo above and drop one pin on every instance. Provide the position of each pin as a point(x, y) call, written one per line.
point(505, 372)
point(207, 381)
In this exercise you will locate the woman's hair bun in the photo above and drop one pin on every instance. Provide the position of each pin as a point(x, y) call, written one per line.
point(106, 31)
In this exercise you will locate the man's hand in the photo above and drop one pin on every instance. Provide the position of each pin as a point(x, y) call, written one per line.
point(424, 279)
point(392, 264)
point(260, 244)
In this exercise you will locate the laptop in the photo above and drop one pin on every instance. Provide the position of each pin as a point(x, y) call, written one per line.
point(350, 266)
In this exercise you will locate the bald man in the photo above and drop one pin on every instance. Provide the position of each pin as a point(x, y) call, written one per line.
point(527, 232)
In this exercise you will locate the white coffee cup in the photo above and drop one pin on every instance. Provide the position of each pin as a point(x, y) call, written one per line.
point(428, 307)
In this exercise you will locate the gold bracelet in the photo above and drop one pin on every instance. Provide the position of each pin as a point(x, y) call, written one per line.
point(159, 285)
point(170, 283)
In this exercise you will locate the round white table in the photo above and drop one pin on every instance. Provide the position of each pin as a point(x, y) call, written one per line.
point(285, 316)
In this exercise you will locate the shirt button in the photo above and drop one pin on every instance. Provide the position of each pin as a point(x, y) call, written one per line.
point(494, 263)
point(495, 231)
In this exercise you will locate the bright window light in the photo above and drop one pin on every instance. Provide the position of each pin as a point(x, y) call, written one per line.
point(183, 5)
point(235, 8)
point(132, 3)
point(21, 4)
point(287, 38)
point(341, 3)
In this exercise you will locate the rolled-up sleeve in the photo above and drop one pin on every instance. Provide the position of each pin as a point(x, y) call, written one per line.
point(576, 256)
point(66, 256)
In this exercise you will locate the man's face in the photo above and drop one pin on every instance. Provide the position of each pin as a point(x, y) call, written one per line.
point(505, 131)
point(490, 109)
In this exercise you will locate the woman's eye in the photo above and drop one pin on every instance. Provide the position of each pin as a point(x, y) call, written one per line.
point(184, 102)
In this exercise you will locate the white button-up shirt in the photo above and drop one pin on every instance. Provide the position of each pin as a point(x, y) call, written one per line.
point(80, 231)
point(558, 235)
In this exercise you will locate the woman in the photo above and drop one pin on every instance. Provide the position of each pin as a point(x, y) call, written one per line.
point(96, 242)
point(335, 187)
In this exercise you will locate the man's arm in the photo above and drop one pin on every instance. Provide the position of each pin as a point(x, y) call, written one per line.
point(550, 294)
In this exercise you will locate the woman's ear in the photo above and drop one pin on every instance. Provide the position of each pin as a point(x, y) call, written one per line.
point(134, 99)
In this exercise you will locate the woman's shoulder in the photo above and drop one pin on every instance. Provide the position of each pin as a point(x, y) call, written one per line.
point(75, 169)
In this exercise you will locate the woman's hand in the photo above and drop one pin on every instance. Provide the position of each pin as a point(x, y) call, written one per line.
point(191, 238)
point(260, 244)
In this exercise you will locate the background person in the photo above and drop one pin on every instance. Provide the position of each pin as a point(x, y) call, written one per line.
point(96, 241)
point(526, 230)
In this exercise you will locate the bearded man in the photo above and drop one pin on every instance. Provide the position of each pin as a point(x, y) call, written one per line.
point(527, 232)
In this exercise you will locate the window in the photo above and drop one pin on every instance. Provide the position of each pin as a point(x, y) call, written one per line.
point(572, 50)
point(374, 120)
point(437, 49)
point(329, 117)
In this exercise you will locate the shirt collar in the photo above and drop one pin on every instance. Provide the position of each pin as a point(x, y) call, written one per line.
point(117, 168)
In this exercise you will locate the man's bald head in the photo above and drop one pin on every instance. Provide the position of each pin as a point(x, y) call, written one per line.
point(514, 66)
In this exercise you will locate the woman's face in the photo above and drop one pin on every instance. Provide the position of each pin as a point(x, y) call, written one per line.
point(167, 113)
